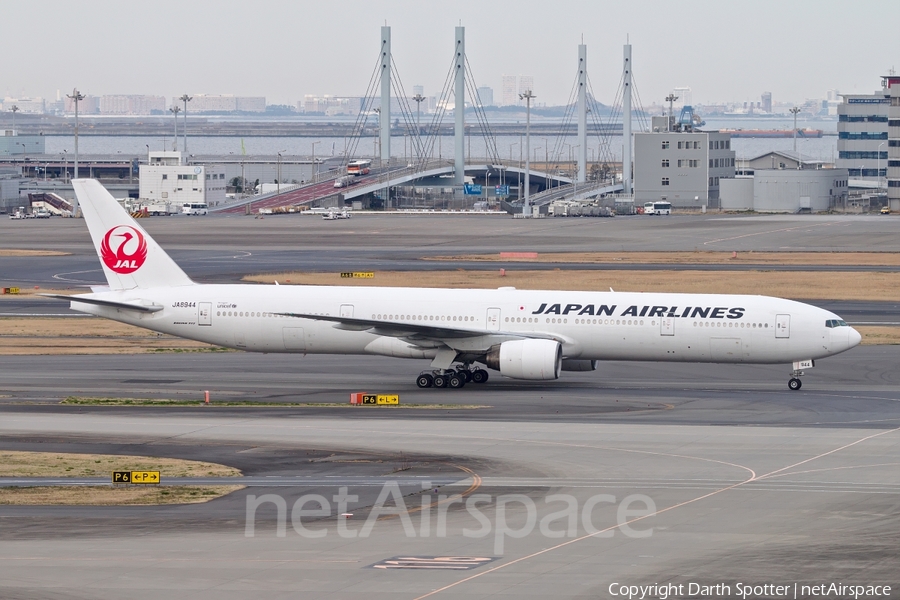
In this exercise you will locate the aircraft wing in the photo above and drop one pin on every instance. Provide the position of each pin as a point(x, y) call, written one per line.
point(414, 331)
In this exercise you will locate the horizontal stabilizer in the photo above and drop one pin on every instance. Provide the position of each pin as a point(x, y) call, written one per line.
point(110, 303)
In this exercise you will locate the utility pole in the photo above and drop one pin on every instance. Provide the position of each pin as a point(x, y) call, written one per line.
point(278, 183)
point(315, 169)
point(794, 112)
point(185, 98)
point(671, 98)
point(527, 97)
point(175, 110)
point(14, 110)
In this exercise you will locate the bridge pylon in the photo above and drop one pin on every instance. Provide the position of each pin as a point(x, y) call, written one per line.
point(459, 109)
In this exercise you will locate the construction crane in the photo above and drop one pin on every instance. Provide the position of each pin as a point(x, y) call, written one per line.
point(689, 120)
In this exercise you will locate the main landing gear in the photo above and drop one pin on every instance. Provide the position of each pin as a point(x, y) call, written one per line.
point(451, 378)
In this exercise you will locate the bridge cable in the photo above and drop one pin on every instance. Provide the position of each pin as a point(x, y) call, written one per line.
point(490, 139)
point(434, 128)
point(405, 109)
point(362, 116)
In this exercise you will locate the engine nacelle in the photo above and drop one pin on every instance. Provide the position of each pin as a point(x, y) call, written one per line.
point(527, 359)
point(574, 364)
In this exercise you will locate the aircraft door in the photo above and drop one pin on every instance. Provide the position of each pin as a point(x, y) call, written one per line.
point(293, 339)
point(667, 326)
point(204, 313)
point(347, 311)
point(783, 326)
point(493, 319)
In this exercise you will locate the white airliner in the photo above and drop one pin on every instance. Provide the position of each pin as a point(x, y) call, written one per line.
point(524, 334)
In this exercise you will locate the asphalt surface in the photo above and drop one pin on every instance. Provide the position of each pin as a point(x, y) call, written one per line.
point(751, 482)
point(224, 248)
point(636, 474)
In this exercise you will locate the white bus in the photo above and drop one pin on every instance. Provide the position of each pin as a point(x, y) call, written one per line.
point(195, 208)
point(658, 208)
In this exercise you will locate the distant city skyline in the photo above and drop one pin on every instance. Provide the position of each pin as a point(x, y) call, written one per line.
point(284, 51)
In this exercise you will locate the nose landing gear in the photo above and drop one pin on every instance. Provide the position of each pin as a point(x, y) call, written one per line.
point(794, 382)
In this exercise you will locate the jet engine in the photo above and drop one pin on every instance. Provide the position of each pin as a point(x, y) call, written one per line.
point(526, 359)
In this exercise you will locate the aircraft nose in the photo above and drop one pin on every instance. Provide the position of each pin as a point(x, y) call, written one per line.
point(854, 337)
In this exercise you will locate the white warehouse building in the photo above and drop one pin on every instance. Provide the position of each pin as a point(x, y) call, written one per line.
point(166, 179)
point(786, 190)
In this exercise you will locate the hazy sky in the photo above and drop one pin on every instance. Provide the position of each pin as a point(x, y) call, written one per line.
point(283, 49)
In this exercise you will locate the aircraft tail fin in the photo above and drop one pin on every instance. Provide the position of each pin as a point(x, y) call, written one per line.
point(129, 256)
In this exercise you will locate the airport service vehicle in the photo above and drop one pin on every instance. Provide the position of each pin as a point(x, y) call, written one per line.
point(359, 167)
point(160, 208)
point(195, 208)
point(334, 215)
point(885, 210)
point(523, 334)
point(658, 208)
point(19, 213)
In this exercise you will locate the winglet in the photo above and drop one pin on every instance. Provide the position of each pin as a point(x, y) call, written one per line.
point(129, 256)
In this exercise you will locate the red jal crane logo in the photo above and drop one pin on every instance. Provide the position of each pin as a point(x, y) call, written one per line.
point(123, 249)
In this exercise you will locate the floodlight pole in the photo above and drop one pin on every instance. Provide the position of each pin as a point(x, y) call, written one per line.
point(527, 97)
point(76, 97)
point(185, 98)
point(794, 112)
point(175, 110)
point(671, 98)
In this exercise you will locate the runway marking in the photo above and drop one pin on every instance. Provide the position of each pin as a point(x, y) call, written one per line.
point(824, 454)
point(746, 235)
point(838, 469)
point(119, 558)
point(859, 398)
point(476, 483)
point(60, 277)
point(664, 510)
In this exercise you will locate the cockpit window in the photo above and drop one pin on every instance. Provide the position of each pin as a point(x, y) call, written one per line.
point(831, 323)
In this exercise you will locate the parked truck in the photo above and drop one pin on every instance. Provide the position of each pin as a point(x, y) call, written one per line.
point(159, 208)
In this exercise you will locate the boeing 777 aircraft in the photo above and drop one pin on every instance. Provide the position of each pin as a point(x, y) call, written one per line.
point(523, 334)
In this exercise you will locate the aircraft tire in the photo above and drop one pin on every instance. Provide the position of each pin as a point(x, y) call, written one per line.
point(479, 376)
point(455, 381)
point(794, 384)
point(440, 381)
point(425, 380)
